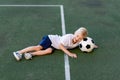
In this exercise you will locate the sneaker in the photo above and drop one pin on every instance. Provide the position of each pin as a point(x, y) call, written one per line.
point(28, 56)
point(17, 56)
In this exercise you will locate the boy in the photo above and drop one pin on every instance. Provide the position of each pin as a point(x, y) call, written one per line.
point(51, 42)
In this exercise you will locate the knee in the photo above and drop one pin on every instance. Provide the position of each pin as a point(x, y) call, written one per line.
point(37, 48)
point(49, 50)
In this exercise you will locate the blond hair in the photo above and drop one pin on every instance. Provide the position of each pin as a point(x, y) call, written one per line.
point(81, 30)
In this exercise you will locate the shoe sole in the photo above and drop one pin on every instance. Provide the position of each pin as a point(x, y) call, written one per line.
point(16, 57)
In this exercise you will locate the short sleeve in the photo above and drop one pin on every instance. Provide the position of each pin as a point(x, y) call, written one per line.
point(66, 39)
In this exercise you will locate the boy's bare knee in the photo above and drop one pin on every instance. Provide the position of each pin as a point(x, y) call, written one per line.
point(37, 48)
point(49, 50)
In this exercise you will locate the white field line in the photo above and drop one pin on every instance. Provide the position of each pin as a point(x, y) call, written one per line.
point(66, 58)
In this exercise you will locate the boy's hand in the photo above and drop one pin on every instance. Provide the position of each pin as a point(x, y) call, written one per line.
point(73, 55)
point(95, 46)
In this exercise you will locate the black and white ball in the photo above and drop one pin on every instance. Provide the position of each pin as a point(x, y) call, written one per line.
point(87, 45)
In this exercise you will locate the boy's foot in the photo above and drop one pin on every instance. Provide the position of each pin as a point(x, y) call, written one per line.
point(28, 56)
point(17, 56)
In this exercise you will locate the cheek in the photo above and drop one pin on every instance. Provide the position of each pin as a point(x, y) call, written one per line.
point(80, 38)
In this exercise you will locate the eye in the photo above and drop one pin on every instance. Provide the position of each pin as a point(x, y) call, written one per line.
point(77, 36)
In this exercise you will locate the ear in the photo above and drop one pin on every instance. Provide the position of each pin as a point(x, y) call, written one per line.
point(95, 46)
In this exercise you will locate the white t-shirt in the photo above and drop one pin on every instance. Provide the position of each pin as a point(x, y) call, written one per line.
point(66, 40)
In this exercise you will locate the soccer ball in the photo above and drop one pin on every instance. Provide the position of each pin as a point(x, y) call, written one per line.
point(87, 45)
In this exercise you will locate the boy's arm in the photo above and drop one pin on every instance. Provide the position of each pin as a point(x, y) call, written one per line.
point(73, 55)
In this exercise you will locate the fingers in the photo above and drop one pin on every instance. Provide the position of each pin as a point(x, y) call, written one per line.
point(74, 56)
point(95, 46)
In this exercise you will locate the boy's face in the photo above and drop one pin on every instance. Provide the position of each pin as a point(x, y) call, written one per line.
point(78, 38)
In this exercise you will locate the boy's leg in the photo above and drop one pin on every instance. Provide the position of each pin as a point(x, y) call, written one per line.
point(42, 52)
point(18, 54)
point(38, 53)
point(31, 48)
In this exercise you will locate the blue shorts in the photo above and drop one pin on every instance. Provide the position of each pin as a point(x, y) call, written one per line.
point(46, 42)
